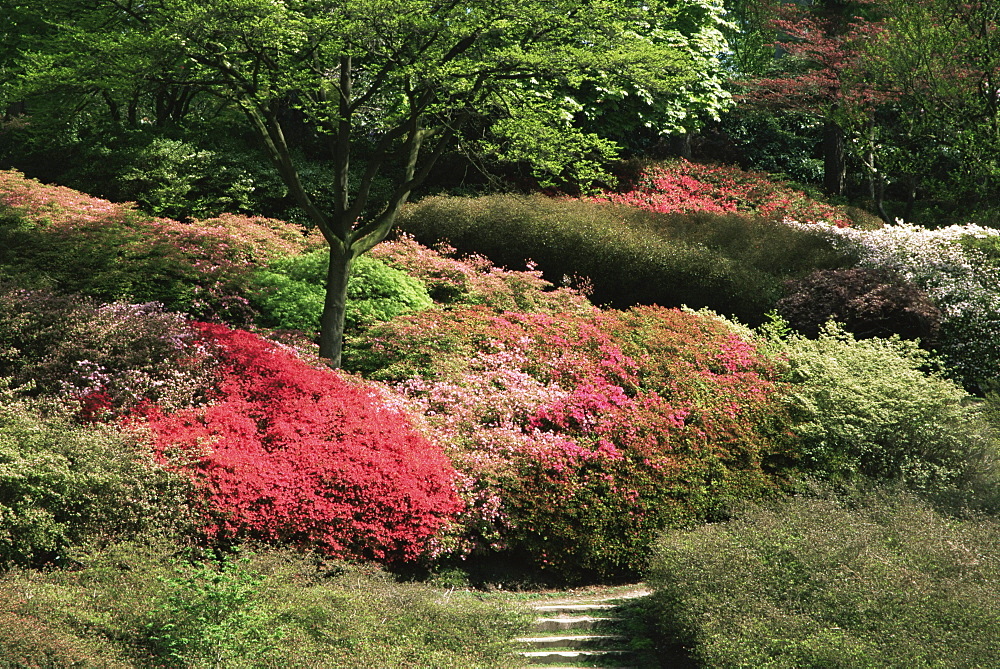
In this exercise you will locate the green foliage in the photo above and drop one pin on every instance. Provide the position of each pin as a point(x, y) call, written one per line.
point(875, 580)
point(62, 483)
point(165, 177)
point(610, 246)
point(869, 407)
point(154, 604)
point(211, 615)
point(730, 263)
point(291, 291)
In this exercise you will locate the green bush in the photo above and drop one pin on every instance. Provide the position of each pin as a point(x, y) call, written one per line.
point(614, 247)
point(730, 263)
point(869, 407)
point(142, 605)
point(63, 483)
point(291, 292)
point(878, 580)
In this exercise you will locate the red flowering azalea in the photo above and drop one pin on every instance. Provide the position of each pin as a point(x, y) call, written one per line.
point(288, 452)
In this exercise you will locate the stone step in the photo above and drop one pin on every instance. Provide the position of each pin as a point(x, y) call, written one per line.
point(563, 623)
point(549, 656)
point(577, 641)
point(573, 607)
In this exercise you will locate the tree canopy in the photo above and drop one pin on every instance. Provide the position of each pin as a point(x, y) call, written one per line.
point(388, 84)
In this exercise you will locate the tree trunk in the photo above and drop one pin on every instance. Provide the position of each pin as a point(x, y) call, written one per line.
point(834, 163)
point(331, 338)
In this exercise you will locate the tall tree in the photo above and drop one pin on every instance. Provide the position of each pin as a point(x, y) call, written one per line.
point(823, 73)
point(390, 84)
point(941, 129)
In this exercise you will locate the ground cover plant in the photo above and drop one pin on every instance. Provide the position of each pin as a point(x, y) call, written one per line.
point(158, 603)
point(870, 579)
point(580, 436)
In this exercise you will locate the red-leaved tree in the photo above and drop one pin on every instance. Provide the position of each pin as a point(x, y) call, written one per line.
point(291, 453)
point(825, 75)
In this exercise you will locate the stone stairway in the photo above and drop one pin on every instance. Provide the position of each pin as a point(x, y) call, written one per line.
point(579, 632)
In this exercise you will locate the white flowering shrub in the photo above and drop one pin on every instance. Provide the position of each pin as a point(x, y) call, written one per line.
point(962, 281)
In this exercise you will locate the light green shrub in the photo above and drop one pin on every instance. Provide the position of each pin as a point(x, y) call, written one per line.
point(292, 290)
point(878, 580)
point(62, 483)
point(870, 408)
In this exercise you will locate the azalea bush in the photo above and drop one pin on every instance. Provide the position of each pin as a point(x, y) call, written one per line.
point(286, 452)
point(683, 186)
point(59, 238)
point(579, 436)
point(959, 277)
point(101, 359)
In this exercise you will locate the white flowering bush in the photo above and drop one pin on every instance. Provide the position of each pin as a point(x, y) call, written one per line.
point(961, 280)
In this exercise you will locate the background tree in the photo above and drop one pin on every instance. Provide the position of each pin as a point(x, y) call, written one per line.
point(390, 84)
point(823, 73)
point(939, 135)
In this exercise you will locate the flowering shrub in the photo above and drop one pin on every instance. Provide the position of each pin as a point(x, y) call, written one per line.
point(582, 435)
point(287, 452)
point(105, 359)
point(52, 235)
point(473, 279)
point(957, 276)
point(683, 186)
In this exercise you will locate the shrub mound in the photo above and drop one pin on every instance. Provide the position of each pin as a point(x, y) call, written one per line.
point(613, 247)
point(958, 270)
point(453, 279)
point(580, 436)
point(62, 484)
point(289, 453)
point(870, 408)
point(880, 580)
point(104, 359)
point(59, 238)
point(868, 302)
